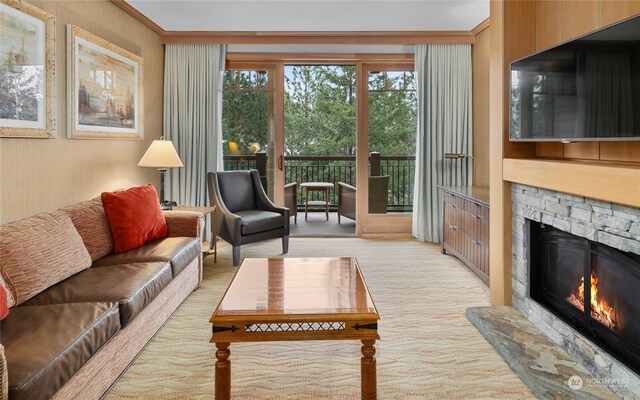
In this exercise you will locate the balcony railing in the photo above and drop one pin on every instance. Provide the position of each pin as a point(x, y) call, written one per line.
point(339, 169)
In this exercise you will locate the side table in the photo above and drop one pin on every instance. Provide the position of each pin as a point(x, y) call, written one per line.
point(214, 222)
point(317, 187)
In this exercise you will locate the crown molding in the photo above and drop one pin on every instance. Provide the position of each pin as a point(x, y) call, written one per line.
point(481, 26)
point(139, 16)
point(317, 38)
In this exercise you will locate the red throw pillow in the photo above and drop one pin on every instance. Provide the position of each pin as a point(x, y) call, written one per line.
point(4, 306)
point(135, 217)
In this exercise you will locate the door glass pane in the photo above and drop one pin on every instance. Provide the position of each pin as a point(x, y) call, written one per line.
point(248, 121)
point(320, 126)
point(392, 140)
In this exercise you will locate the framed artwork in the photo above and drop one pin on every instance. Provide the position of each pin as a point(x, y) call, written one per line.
point(27, 71)
point(104, 85)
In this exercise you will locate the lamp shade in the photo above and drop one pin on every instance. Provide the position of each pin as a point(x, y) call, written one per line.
point(161, 154)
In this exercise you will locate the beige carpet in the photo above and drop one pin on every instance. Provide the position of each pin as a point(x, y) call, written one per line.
point(428, 349)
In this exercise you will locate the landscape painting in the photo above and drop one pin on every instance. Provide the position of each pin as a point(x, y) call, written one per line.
point(105, 89)
point(26, 71)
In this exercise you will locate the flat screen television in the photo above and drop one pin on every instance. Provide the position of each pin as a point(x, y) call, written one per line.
point(587, 89)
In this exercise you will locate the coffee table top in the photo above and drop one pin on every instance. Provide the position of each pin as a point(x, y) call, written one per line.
point(297, 289)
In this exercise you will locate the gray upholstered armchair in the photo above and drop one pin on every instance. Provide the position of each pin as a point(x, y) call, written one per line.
point(245, 213)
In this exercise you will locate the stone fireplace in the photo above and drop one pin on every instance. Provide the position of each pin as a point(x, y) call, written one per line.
point(561, 241)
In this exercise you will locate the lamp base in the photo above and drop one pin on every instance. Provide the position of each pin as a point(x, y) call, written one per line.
point(167, 205)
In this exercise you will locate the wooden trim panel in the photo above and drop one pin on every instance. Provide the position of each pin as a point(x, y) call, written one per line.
point(319, 38)
point(615, 182)
point(481, 26)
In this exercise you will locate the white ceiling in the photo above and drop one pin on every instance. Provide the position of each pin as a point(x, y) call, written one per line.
point(314, 15)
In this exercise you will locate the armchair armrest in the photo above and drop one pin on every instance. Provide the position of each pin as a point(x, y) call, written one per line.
point(4, 376)
point(344, 187)
point(263, 201)
point(184, 223)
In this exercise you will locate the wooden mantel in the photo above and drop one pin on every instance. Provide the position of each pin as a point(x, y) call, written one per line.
point(614, 182)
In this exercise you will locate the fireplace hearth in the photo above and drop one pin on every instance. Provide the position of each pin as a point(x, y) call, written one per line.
point(607, 308)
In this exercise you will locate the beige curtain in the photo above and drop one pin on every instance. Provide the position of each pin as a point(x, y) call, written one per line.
point(443, 84)
point(193, 80)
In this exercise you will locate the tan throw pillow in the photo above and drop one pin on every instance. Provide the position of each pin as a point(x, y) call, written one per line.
point(92, 224)
point(40, 251)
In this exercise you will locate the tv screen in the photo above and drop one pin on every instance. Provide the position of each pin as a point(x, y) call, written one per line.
point(587, 89)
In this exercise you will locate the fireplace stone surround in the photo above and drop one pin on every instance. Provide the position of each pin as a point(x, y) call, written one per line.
point(611, 224)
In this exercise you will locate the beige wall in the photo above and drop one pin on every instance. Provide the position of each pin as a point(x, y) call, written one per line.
point(39, 175)
point(480, 57)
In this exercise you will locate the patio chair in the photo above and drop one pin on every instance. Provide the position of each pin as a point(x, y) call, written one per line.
point(378, 197)
point(291, 199)
point(245, 213)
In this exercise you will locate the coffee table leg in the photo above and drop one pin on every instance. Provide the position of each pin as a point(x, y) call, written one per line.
point(223, 372)
point(368, 370)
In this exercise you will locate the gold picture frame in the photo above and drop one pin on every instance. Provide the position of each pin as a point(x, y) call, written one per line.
point(104, 84)
point(27, 71)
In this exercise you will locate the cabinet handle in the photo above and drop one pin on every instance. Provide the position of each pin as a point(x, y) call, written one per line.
point(455, 228)
point(476, 242)
point(475, 216)
point(452, 205)
point(280, 162)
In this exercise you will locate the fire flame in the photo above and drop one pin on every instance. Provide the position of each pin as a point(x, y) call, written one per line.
point(601, 311)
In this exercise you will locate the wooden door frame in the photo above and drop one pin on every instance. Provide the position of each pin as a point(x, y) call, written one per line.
point(373, 224)
point(366, 224)
point(278, 128)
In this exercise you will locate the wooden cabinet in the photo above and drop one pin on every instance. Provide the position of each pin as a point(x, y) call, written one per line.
point(465, 226)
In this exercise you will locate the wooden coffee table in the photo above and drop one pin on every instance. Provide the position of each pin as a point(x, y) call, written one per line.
point(275, 299)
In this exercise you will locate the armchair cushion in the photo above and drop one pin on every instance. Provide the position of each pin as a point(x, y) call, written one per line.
point(135, 217)
point(256, 221)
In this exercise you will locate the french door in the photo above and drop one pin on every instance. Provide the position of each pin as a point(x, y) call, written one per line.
point(384, 89)
point(386, 147)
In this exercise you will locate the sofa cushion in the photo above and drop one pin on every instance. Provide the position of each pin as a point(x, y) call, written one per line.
point(133, 286)
point(256, 221)
point(40, 251)
point(46, 345)
point(135, 217)
point(92, 224)
point(179, 251)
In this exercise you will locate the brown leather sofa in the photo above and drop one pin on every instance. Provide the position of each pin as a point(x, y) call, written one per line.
point(81, 313)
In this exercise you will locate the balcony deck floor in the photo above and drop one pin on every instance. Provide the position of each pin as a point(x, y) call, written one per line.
point(318, 226)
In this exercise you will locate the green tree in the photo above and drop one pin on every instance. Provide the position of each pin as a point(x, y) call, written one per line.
point(320, 110)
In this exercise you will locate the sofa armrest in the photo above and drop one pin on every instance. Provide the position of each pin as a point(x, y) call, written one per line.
point(184, 223)
point(4, 376)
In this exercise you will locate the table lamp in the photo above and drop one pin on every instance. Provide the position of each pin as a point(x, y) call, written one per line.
point(161, 155)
